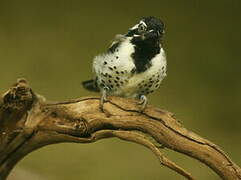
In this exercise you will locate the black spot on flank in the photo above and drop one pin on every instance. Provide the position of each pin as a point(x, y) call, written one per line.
point(117, 85)
point(126, 80)
point(105, 74)
point(150, 78)
point(133, 70)
point(157, 86)
point(110, 68)
point(122, 82)
point(151, 91)
point(115, 81)
point(158, 81)
point(117, 72)
point(110, 76)
point(105, 63)
point(117, 78)
point(111, 86)
point(122, 72)
point(145, 85)
point(109, 81)
point(162, 67)
point(102, 85)
point(114, 67)
point(150, 86)
point(117, 57)
point(151, 81)
point(103, 81)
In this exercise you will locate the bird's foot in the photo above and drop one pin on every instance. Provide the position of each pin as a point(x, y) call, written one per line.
point(103, 98)
point(143, 102)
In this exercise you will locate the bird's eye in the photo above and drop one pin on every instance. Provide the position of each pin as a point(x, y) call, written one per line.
point(141, 28)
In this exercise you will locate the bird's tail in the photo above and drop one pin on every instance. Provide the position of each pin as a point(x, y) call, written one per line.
point(90, 85)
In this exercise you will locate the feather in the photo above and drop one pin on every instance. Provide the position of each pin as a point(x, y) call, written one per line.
point(90, 85)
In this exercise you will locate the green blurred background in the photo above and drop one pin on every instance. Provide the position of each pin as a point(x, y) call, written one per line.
point(52, 44)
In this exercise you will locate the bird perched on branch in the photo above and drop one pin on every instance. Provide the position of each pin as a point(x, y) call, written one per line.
point(133, 66)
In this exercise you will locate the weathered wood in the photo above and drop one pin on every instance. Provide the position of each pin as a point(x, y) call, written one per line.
point(28, 122)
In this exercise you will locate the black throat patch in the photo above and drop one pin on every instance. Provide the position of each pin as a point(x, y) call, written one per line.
point(144, 52)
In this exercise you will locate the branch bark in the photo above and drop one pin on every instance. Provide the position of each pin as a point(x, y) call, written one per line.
point(28, 122)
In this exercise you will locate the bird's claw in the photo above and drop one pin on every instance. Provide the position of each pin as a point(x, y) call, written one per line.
point(103, 98)
point(143, 102)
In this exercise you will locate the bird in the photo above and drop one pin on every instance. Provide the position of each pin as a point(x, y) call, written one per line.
point(133, 66)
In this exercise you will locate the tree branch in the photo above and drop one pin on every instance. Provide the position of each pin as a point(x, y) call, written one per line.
point(28, 122)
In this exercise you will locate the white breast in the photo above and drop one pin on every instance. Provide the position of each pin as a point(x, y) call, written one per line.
point(115, 71)
point(149, 79)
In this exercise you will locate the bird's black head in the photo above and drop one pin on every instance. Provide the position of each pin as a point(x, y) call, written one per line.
point(148, 29)
point(146, 37)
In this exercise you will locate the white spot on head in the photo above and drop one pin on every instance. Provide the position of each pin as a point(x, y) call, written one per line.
point(136, 26)
point(142, 22)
